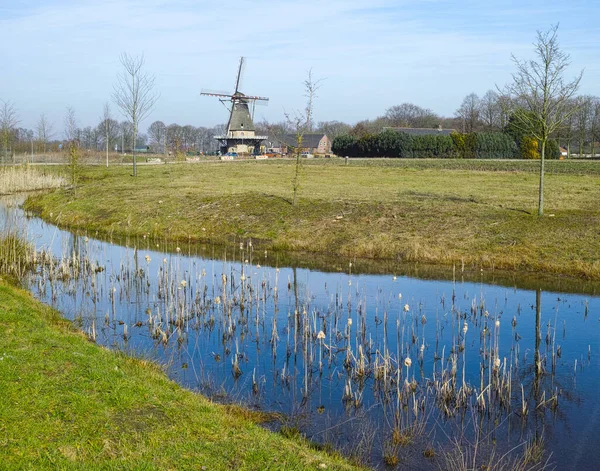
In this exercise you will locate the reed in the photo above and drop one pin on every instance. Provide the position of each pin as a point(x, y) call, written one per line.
point(20, 179)
point(17, 255)
point(415, 382)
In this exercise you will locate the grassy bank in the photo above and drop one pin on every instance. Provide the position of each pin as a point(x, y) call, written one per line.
point(70, 404)
point(476, 213)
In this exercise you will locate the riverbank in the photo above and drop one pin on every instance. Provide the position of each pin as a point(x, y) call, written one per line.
point(473, 214)
point(70, 404)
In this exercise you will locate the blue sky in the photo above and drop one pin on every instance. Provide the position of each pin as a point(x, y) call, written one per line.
point(371, 54)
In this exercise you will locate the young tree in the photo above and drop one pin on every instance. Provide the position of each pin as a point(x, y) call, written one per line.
point(71, 130)
point(8, 124)
point(134, 94)
point(72, 137)
point(108, 128)
point(301, 123)
point(44, 131)
point(540, 86)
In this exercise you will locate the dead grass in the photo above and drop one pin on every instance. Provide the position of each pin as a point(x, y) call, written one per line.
point(25, 178)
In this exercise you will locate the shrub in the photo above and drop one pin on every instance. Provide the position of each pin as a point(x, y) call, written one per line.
point(390, 143)
point(529, 148)
point(464, 145)
point(345, 145)
point(552, 150)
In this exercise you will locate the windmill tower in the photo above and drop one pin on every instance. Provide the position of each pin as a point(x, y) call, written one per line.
point(240, 136)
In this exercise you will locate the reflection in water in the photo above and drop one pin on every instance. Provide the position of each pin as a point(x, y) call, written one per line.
point(388, 369)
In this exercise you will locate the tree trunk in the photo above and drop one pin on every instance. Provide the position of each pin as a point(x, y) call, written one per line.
point(133, 151)
point(296, 178)
point(541, 199)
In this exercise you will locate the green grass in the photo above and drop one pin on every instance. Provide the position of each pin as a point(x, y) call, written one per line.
point(476, 213)
point(70, 404)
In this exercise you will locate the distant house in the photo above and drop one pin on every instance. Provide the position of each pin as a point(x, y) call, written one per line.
point(564, 152)
point(314, 143)
point(439, 131)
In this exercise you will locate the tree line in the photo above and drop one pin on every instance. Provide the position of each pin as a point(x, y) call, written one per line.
point(117, 135)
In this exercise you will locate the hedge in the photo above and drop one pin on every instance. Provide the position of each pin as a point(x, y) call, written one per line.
point(390, 143)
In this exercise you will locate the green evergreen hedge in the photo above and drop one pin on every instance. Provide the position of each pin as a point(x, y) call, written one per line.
point(494, 145)
point(390, 143)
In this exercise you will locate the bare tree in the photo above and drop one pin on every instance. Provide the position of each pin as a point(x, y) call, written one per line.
point(73, 137)
point(505, 109)
point(540, 85)
point(469, 112)
point(489, 110)
point(24, 140)
point(157, 132)
point(188, 134)
point(108, 128)
point(595, 125)
point(301, 123)
point(409, 115)
point(333, 129)
point(174, 137)
point(202, 139)
point(71, 130)
point(583, 117)
point(44, 131)
point(134, 94)
point(126, 133)
point(8, 123)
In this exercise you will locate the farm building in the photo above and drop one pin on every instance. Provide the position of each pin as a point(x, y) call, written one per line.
point(314, 143)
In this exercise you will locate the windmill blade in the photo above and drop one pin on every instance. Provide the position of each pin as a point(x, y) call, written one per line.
point(239, 75)
point(212, 91)
point(217, 94)
point(261, 98)
point(205, 92)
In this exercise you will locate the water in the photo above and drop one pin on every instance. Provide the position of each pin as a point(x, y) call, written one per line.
point(377, 365)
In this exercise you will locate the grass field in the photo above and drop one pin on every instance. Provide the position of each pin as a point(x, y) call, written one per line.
point(70, 404)
point(476, 213)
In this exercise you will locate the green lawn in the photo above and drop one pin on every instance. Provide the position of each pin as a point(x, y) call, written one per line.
point(70, 404)
point(476, 213)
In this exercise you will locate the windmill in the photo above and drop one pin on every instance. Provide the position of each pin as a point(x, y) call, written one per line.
point(240, 136)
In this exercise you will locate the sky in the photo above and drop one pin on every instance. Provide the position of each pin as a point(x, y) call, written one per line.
point(370, 55)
